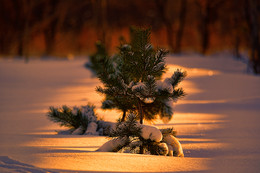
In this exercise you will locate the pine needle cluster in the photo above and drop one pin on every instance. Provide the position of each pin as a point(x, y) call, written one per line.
point(72, 117)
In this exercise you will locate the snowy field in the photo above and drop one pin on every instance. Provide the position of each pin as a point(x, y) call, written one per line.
point(218, 122)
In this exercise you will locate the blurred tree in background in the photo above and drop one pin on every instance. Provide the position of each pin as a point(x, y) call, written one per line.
point(63, 27)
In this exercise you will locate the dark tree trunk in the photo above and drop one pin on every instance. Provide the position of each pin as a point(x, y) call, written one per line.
point(161, 8)
point(24, 38)
point(237, 46)
point(253, 25)
point(204, 28)
point(19, 25)
point(20, 46)
point(204, 24)
point(182, 17)
point(170, 34)
point(51, 29)
point(204, 34)
point(208, 15)
point(237, 40)
point(102, 8)
point(49, 36)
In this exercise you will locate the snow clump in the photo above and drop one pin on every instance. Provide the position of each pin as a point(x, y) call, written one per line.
point(174, 146)
point(151, 132)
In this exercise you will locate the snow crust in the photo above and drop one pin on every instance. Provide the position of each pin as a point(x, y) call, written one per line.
point(217, 123)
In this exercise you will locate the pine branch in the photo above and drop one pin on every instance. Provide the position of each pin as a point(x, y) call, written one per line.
point(72, 118)
point(166, 111)
point(64, 117)
point(177, 77)
point(150, 85)
point(177, 93)
point(108, 104)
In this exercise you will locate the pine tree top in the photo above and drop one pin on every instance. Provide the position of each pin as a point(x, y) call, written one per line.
point(139, 38)
point(139, 59)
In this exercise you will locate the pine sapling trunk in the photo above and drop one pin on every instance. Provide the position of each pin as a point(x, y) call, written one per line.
point(124, 116)
point(141, 150)
point(140, 110)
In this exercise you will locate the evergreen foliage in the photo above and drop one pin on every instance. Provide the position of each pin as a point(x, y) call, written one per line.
point(97, 60)
point(131, 79)
point(131, 131)
point(73, 117)
point(130, 128)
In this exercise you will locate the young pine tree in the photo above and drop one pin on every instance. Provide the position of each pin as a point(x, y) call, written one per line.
point(132, 82)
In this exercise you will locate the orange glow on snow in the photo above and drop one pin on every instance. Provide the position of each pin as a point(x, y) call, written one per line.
point(192, 72)
point(64, 150)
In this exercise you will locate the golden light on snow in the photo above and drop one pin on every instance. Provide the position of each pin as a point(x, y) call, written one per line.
point(64, 150)
point(210, 73)
point(192, 72)
point(197, 118)
point(78, 95)
point(200, 101)
point(77, 153)
point(67, 143)
point(221, 139)
point(123, 163)
point(189, 88)
point(193, 123)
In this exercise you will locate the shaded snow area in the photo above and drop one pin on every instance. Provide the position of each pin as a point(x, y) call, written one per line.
point(217, 122)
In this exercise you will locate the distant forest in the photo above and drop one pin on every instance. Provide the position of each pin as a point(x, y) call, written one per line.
point(62, 27)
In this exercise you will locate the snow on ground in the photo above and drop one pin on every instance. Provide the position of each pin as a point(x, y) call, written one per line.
point(217, 122)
